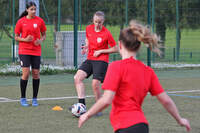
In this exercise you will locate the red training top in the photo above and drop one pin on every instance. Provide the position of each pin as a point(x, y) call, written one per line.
point(97, 41)
point(32, 27)
point(131, 80)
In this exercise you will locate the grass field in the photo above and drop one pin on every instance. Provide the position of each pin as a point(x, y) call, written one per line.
point(182, 85)
point(189, 52)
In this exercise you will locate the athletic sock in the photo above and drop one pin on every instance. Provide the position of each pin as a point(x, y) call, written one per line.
point(23, 85)
point(36, 84)
point(81, 100)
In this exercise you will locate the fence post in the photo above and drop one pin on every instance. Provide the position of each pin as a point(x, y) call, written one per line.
point(13, 39)
point(80, 14)
point(174, 54)
point(149, 23)
point(177, 31)
point(59, 15)
point(152, 23)
point(126, 11)
point(75, 31)
point(191, 55)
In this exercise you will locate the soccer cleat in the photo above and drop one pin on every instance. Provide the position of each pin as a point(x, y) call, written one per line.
point(23, 102)
point(34, 102)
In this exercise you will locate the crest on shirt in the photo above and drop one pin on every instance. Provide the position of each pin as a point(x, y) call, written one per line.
point(99, 39)
point(35, 25)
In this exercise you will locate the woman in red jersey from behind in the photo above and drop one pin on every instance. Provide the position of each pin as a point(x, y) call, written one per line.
point(127, 83)
point(30, 32)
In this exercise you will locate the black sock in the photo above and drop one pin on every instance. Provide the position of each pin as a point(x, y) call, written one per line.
point(36, 83)
point(23, 85)
point(81, 100)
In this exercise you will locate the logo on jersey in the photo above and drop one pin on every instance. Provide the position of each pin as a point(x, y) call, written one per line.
point(99, 39)
point(35, 25)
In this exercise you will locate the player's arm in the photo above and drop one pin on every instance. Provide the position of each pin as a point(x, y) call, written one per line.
point(39, 41)
point(29, 38)
point(113, 49)
point(43, 36)
point(85, 47)
point(101, 104)
point(170, 106)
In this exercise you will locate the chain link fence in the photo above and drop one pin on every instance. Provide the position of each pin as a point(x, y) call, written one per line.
point(177, 22)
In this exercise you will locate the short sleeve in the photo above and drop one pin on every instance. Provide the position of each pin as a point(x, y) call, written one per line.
point(111, 40)
point(18, 28)
point(155, 86)
point(43, 26)
point(112, 78)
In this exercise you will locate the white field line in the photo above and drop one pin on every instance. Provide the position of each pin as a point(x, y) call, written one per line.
point(3, 98)
point(189, 91)
point(6, 100)
point(42, 99)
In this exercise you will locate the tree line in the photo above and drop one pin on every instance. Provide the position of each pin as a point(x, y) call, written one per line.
point(115, 10)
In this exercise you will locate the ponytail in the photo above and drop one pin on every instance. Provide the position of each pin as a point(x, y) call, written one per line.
point(143, 34)
point(25, 13)
point(135, 34)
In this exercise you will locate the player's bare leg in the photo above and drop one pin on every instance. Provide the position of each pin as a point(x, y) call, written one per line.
point(80, 87)
point(96, 86)
point(25, 73)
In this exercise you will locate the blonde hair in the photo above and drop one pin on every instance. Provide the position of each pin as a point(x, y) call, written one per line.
point(137, 33)
point(100, 14)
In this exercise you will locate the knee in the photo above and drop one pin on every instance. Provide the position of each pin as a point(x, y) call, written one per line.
point(95, 86)
point(77, 79)
point(35, 74)
point(25, 76)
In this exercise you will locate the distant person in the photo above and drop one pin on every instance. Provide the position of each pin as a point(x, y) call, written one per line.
point(30, 32)
point(98, 40)
point(127, 83)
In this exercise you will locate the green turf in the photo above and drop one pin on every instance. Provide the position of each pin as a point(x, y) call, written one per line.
point(17, 119)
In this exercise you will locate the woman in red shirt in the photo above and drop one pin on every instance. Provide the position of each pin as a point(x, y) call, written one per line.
point(127, 83)
point(27, 32)
point(97, 40)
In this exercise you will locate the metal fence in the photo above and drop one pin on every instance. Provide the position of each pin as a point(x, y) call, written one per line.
point(177, 22)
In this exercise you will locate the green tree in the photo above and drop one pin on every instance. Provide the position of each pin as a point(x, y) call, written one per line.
point(5, 20)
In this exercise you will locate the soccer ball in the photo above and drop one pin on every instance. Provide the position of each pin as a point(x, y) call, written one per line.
point(78, 109)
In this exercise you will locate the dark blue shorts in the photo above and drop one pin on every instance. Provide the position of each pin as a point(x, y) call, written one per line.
point(30, 60)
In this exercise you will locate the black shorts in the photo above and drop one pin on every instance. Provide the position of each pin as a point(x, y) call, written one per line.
point(30, 60)
point(137, 128)
point(97, 68)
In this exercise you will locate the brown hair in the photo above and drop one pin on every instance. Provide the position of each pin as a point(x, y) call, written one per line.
point(136, 33)
point(28, 5)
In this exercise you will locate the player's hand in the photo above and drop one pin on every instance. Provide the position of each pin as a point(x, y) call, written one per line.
point(184, 122)
point(37, 42)
point(84, 49)
point(97, 53)
point(29, 38)
point(83, 118)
